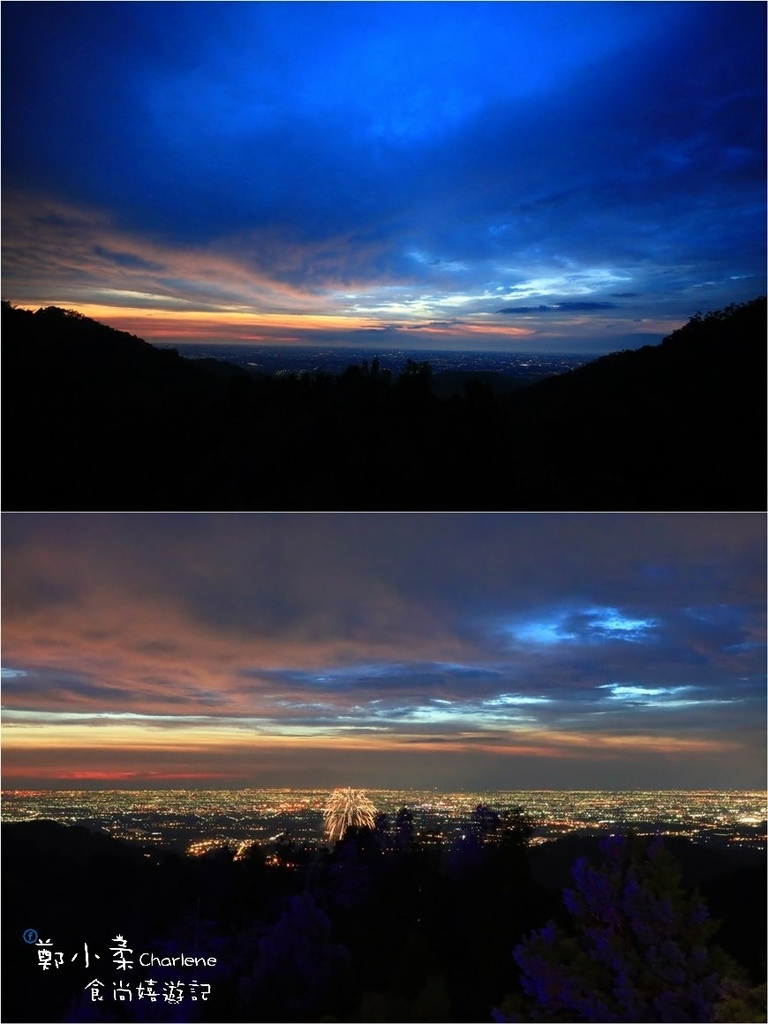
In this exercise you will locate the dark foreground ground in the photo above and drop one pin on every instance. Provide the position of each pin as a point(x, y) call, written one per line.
point(384, 926)
point(95, 419)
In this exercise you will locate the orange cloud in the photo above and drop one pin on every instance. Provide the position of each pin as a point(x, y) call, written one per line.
point(236, 325)
point(247, 738)
point(264, 761)
point(233, 289)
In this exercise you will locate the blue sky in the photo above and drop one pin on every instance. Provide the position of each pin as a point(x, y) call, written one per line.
point(455, 651)
point(510, 176)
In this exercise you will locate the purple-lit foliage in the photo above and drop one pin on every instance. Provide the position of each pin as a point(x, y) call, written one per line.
point(297, 964)
point(637, 949)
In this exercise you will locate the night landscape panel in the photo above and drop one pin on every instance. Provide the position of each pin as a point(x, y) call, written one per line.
point(383, 520)
point(483, 181)
point(384, 767)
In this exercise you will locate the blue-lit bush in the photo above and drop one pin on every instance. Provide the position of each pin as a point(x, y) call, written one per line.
point(637, 949)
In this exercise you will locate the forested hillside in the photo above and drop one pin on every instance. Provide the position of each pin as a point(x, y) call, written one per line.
point(96, 419)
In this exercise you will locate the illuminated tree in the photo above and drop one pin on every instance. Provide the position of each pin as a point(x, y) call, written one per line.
point(297, 969)
point(347, 808)
point(638, 949)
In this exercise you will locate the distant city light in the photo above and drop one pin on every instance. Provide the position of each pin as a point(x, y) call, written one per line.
point(200, 821)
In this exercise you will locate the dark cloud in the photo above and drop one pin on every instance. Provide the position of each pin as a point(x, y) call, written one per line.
point(126, 259)
point(560, 307)
point(386, 677)
point(51, 689)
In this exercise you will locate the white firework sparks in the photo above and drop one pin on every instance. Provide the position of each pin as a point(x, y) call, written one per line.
point(345, 809)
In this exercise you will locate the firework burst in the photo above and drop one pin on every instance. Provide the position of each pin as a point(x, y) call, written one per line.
point(347, 808)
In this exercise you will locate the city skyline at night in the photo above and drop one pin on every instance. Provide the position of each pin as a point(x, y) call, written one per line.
point(454, 652)
point(199, 821)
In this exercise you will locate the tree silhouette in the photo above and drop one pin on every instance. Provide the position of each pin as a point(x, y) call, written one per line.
point(485, 822)
point(405, 835)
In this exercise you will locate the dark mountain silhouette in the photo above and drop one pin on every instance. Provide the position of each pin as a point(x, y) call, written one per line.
point(671, 426)
point(700, 864)
point(96, 419)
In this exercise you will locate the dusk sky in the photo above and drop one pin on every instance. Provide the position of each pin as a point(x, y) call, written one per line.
point(507, 651)
point(576, 177)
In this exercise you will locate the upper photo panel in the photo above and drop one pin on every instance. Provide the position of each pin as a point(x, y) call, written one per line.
point(384, 256)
